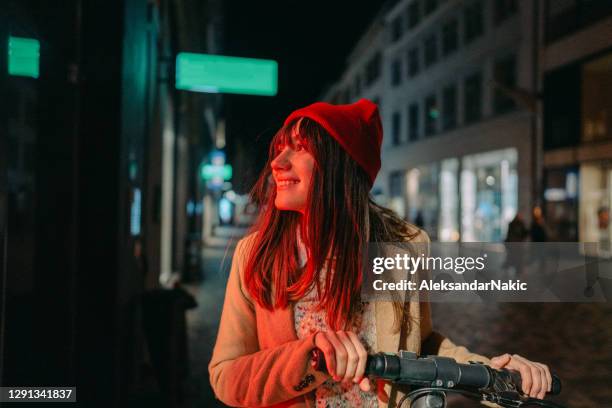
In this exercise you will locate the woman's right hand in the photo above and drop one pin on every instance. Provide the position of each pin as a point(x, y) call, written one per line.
point(346, 357)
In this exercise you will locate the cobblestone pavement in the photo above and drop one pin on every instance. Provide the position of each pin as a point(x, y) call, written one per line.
point(574, 339)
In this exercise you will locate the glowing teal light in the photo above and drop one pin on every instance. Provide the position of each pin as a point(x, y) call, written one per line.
point(222, 74)
point(211, 171)
point(23, 57)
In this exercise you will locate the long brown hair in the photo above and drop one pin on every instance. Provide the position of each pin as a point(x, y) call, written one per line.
point(340, 220)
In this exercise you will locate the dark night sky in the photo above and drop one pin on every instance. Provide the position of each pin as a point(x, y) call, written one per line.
point(310, 40)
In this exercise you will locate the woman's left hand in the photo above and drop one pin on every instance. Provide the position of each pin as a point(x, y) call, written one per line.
point(536, 377)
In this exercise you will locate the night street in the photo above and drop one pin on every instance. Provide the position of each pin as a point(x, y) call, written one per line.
point(141, 139)
point(204, 323)
point(560, 335)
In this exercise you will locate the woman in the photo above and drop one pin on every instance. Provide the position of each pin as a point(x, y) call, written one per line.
point(281, 302)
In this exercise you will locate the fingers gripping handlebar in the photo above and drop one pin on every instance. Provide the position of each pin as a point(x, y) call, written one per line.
point(441, 372)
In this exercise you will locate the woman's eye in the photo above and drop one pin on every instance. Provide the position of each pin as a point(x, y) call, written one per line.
point(299, 147)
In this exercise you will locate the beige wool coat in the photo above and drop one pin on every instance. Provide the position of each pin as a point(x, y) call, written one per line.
point(258, 360)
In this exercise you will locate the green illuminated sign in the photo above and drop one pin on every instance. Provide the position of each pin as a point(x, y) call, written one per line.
point(211, 171)
point(23, 57)
point(221, 74)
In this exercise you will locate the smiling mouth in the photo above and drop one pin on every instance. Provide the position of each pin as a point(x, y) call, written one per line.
point(286, 183)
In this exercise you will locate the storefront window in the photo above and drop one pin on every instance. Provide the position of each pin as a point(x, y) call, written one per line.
point(449, 201)
point(594, 208)
point(597, 99)
point(561, 203)
point(489, 195)
point(422, 188)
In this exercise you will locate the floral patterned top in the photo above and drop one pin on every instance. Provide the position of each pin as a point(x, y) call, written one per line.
point(308, 320)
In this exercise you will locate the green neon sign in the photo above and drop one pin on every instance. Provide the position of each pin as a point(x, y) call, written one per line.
point(221, 74)
point(23, 57)
point(212, 171)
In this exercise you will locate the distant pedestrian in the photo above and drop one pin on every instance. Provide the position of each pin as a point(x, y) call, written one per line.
point(418, 220)
point(517, 232)
point(537, 232)
point(603, 224)
point(541, 254)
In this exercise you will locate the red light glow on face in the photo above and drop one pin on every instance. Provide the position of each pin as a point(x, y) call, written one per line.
point(292, 171)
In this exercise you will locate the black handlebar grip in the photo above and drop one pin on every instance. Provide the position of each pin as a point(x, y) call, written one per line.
point(555, 388)
point(388, 367)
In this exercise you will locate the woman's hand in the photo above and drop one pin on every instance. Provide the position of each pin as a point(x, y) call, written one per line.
point(536, 377)
point(345, 356)
point(346, 359)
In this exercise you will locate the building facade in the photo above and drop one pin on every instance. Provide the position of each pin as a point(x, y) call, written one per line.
point(95, 184)
point(576, 69)
point(459, 153)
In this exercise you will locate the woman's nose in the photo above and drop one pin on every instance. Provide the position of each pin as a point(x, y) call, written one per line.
point(281, 161)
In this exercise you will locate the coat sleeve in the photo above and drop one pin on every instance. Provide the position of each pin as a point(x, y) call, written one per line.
point(243, 375)
point(435, 343)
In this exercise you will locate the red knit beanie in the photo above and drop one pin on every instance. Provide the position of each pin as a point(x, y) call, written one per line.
point(356, 127)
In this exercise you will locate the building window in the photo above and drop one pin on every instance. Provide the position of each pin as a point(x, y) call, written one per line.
point(396, 28)
point(431, 115)
point(422, 196)
point(414, 14)
point(397, 201)
point(396, 128)
point(473, 98)
point(431, 50)
point(489, 181)
point(505, 76)
point(373, 69)
point(449, 107)
point(566, 16)
point(474, 21)
point(413, 122)
point(396, 72)
point(429, 6)
point(562, 107)
point(502, 9)
point(395, 184)
point(448, 227)
point(596, 100)
point(413, 62)
point(450, 34)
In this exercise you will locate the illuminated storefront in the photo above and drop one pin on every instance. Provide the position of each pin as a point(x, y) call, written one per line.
point(489, 195)
point(561, 203)
point(449, 229)
point(578, 151)
point(423, 197)
point(472, 198)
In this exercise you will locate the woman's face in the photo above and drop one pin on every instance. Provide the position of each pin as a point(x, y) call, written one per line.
point(292, 170)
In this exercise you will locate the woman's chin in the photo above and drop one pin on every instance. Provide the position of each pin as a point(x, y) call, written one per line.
point(286, 205)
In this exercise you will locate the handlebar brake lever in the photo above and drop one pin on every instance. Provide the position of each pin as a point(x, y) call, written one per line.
point(507, 399)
